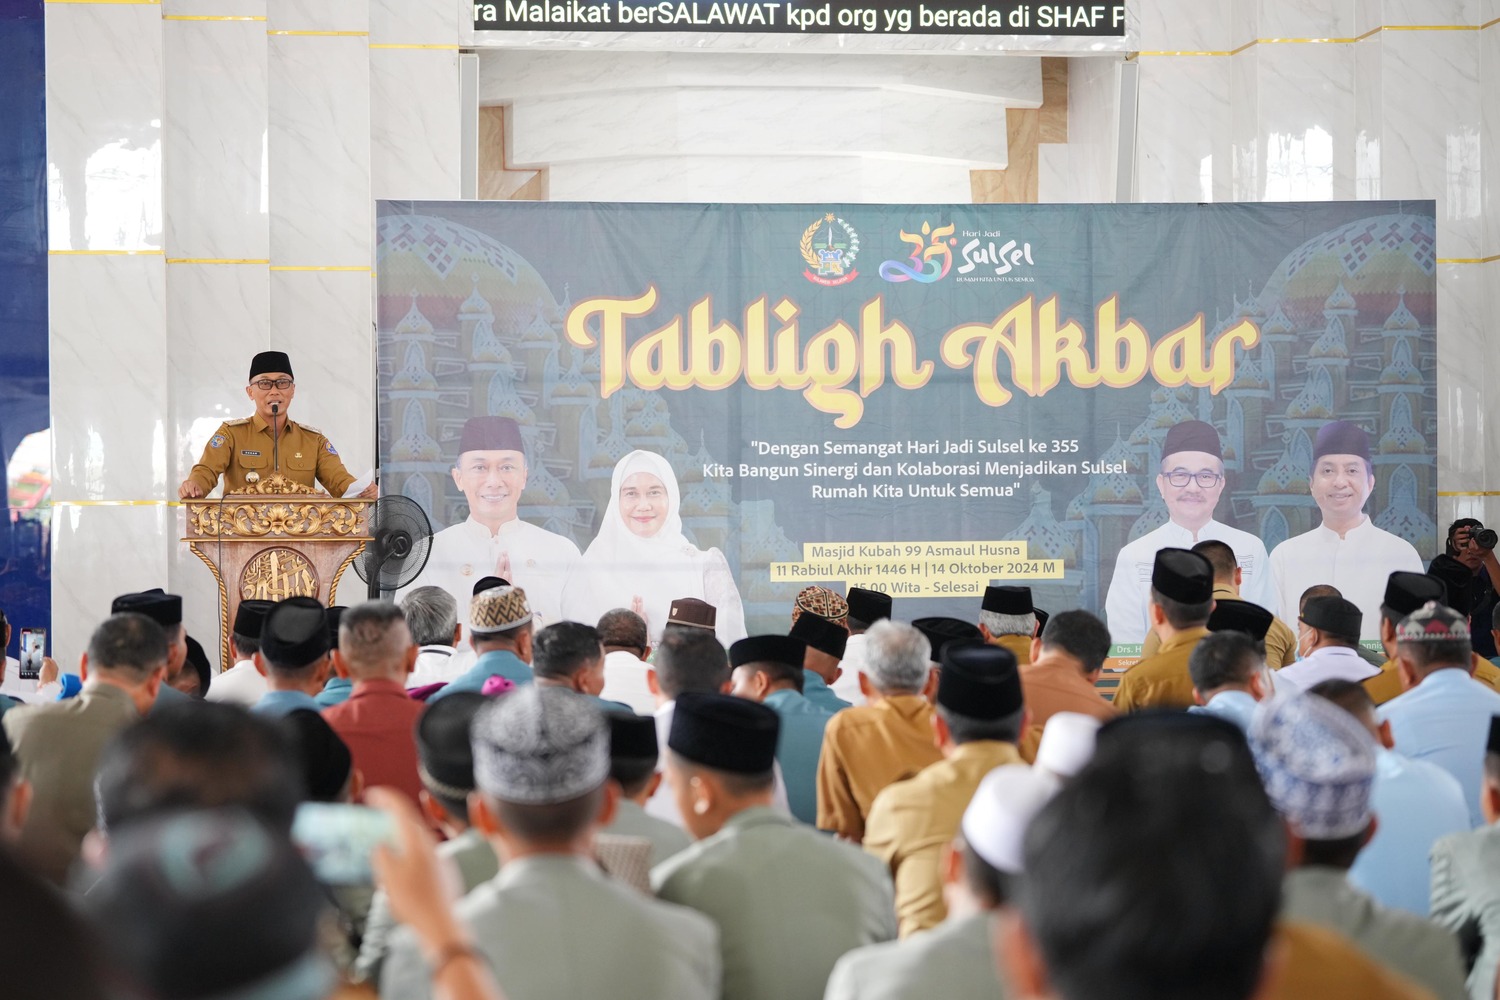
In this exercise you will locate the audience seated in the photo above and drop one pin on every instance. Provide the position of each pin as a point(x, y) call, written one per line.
point(551, 924)
point(60, 744)
point(980, 716)
point(750, 859)
point(293, 656)
point(753, 838)
point(868, 747)
point(376, 650)
point(1416, 803)
point(768, 669)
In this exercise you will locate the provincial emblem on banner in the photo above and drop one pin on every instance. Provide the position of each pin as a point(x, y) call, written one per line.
point(829, 246)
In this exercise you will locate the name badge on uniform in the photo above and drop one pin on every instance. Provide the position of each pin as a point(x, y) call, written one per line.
point(252, 454)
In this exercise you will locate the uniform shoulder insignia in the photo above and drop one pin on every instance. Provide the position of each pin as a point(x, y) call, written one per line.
point(310, 429)
point(237, 423)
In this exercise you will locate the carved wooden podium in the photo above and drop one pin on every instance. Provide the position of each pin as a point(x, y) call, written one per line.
point(276, 539)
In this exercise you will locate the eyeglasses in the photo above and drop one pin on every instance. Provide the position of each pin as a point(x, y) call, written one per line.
point(267, 384)
point(1181, 477)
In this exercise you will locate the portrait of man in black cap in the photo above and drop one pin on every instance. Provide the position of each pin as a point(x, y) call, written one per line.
point(1191, 480)
point(252, 448)
point(1346, 550)
point(490, 470)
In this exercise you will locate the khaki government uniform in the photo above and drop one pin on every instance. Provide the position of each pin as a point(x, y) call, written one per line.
point(1161, 681)
point(1403, 942)
point(954, 961)
point(1052, 685)
point(58, 745)
point(555, 927)
point(788, 902)
point(913, 820)
point(1020, 645)
point(239, 447)
point(1280, 640)
point(867, 748)
point(1466, 900)
point(1319, 963)
point(1387, 684)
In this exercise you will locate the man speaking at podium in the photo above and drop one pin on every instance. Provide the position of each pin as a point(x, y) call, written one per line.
point(247, 450)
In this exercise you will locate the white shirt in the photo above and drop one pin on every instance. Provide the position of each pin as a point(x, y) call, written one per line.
point(1328, 663)
point(241, 684)
point(435, 665)
point(1357, 564)
point(663, 805)
point(625, 681)
point(14, 686)
point(541, 562)
point(1130, 587)
point(853, 664)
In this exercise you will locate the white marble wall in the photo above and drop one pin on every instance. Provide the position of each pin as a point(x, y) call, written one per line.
point(756, 127)
point(1263, 100)
point(212, 169)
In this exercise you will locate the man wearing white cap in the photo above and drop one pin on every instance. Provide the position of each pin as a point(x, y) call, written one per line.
point(552, 924)
point(1318, 765)
point(1067, 744)
point(957, 958)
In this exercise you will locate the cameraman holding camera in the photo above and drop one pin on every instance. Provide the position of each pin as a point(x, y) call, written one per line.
point(1473, 545)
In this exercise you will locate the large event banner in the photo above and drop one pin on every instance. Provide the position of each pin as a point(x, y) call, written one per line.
point(619, 405)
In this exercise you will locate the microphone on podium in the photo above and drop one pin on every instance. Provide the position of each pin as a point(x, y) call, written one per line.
point(275, 437)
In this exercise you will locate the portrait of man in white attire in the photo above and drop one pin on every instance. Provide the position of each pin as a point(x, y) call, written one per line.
point(1190, 480)
point(1346, 550)
point(493, 540)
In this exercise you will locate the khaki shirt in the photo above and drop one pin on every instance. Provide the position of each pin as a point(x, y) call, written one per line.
point(1318, 962)
point(1280, 641)
point(242, 446)
point(913, 820)
point(1161, 681)
point(1053, 685)
point(867, 748)
point(58, 745)
point(1387, 684)
point(1020, 645)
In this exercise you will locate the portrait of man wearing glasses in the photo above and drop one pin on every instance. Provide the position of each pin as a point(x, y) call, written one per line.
point(247, 450)
point(1190, 480)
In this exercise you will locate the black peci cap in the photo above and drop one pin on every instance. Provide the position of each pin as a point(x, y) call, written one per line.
point(1007, 601)
point(1405, 592)
point(868, 605)
point(295, 633)
point(250, 616)
point(270, 362)
point(326, 761)
point(445, 752)
point(163, 608)
point(631, 736)
point(786, 649)
point(1183, 576)
point(1333, 614)
point(1232, 615)
point(941, 631)
point(979, 681)
point(821, 634)
point(724, 733)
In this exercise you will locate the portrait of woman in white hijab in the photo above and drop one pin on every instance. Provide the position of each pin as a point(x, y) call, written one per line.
point(641, 560)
